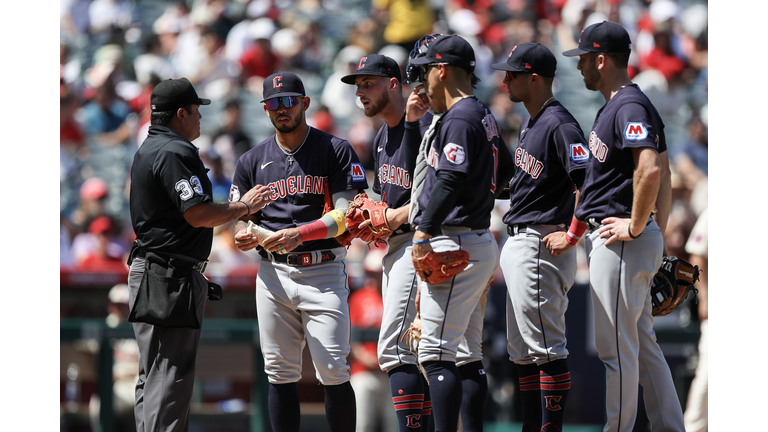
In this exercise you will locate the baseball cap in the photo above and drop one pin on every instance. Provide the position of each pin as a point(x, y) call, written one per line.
point(449, 49)
point(175, 93)
point(529, 58)
point(282, 84)
point(602, 37)
point(93, 188)
point(374, 64)
point(101, 225)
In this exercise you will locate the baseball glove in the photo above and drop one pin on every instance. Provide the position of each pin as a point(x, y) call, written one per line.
point(438, 267)
point(362, 209)
point(671, 285)
point(412, 336)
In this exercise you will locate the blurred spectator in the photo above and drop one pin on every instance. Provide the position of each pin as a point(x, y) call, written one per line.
point(105, 115)
point(213, 66)
point(220, 181)
point(662, 57)
point(153, 61)
point(101, 248)
point(691, 158)
point(93, 197)
point(339, 97)
point(105, 14)
point(71, 134)
point(696, 414)
point(258, 58)
point(372, 392)
point(125, 370)
point(230, 141)
point(406, 20)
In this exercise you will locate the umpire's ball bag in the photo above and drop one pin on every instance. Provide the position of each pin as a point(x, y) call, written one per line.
point(165, 296)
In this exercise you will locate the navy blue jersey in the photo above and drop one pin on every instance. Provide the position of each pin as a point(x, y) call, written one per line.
point(393, 181)
point(550, 160)
point(625, 122)
point(467, 140)
point(298, 182)
point(167, 178)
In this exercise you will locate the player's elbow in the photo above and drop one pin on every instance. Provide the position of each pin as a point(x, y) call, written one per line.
point(196, 216)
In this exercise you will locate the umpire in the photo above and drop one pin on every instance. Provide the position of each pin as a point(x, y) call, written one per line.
point(173, 215)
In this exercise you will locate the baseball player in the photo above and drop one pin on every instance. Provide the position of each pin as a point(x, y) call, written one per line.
point(625, 202)
point(379, 88)
point(455, 184)
point(301, 288)
point(551, 158)
point(173, 215)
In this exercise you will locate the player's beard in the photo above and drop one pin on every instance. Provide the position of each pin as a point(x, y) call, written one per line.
point(290, 127)
point(591, 75)
point(376, 106)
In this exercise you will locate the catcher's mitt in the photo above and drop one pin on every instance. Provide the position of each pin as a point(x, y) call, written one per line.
point(362, 209)
point(671, 285)
point(438, 267)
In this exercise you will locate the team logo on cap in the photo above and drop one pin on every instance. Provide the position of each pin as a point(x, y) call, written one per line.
point(635, 131)
point(277, 81)
point(361, 63)
point(511, 51)
point(595, 44)
point(527, 66)
point(438, 56)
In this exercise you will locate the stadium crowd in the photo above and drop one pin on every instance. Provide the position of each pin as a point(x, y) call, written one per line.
point(113, 53)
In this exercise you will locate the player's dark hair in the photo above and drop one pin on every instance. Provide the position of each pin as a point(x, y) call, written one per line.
point(163, 118)
point(620, 59)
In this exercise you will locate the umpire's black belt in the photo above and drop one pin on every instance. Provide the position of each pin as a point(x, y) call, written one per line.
point(198, 266)
point(300, 259)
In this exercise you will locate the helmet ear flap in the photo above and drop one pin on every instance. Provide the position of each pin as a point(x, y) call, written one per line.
point(415, 73)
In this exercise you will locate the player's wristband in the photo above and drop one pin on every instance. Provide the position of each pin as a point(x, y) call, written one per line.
point(246, 205)
point(575, 231)
point(425, 241)
point(629, 231)
point(313, 231)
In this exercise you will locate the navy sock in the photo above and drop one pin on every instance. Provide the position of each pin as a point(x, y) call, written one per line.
point(284, 408)
point(407, 386)
point(530, 396)
point(555, 384)
point(340, 407)
point(446, 392)
point(474, 384)
point(426, 412)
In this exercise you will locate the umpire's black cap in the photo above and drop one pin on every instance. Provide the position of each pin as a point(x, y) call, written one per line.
point(603, 37)
point(282, 84)
point(449, 49)
point(529, 58)
point(171, 94)
point(374, 64)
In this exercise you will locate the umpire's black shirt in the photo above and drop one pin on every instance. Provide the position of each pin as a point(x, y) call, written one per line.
point(167, 178)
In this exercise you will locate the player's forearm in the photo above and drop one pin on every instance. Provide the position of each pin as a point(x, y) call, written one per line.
point(210, 215)
point(645, 185)
point(331, 224)
point(664, 197)
point(399, 216)
point(411, 143)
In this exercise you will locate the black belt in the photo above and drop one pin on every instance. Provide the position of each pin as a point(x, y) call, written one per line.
point(404, 228)
point(198, 266)
point(300, 259)
point(516, 229)
point(594, 223)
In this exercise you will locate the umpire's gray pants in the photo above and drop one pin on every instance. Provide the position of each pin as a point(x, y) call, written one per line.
point(166, 364)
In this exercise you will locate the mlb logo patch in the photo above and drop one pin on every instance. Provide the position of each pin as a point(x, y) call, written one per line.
point(635, 131)
point(357, 171)
point(579, 152)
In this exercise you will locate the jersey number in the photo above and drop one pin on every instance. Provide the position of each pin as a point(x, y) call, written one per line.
point(188, 188)
point(495, 152)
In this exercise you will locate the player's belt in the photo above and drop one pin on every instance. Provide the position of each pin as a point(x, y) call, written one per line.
point(594, 223)
point(516, 229)
point(404, 228)
point(300, 259)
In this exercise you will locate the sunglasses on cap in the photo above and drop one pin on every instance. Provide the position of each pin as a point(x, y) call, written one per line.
point(287, 101)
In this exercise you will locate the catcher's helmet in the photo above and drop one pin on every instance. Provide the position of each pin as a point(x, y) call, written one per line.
point(415, 73)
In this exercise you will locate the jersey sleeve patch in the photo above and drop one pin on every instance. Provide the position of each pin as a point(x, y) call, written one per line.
point(454, 153)
point(579, 152)
point(357, 171)
point(635, 131)
point(234, 194)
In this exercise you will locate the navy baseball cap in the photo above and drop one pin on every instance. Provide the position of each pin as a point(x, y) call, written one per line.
point(374, 64)
point(529, 58)
point(449, 49)
point(282, 84)
point(171, 94)
point(603, 37)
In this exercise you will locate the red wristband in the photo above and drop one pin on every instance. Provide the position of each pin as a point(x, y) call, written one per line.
point(313, 231)
point(575, 231)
